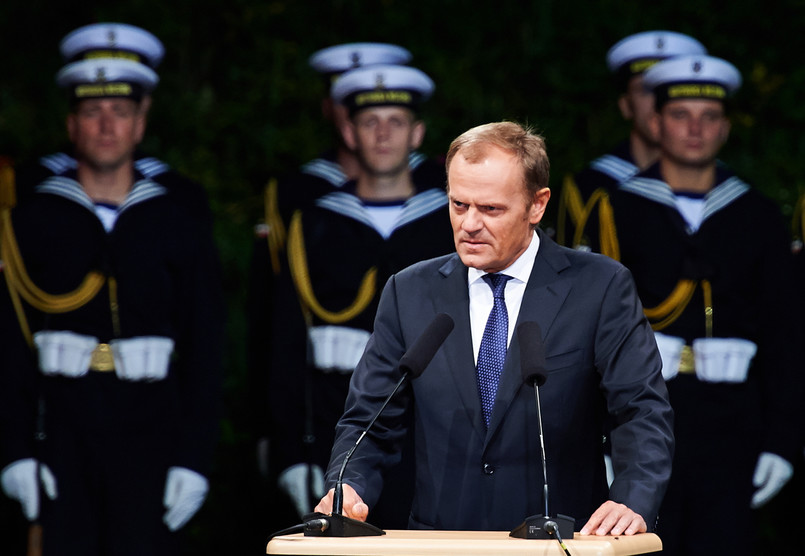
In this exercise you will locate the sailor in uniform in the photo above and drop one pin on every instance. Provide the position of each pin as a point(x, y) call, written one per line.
point(713, 268)
point(341, 250)
point(126, 42)
point(328, 172)
point(112, 317)
point(583, 195)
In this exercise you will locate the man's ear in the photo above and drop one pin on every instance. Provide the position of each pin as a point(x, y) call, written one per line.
point(348, 134)
point(145, 104)
point(417, 134)
point(140, 124)
point(653, 124)
point(725, 130)
point(538, 205)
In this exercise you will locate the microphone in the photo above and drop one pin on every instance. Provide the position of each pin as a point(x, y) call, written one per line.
point(532, 353)
point(412, 364)
point(532, 367)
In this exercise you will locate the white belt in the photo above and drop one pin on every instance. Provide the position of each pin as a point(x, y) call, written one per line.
point(143, 358)
point(714, 359)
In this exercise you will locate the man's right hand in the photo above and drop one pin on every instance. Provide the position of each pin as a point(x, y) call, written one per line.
point(354, 506)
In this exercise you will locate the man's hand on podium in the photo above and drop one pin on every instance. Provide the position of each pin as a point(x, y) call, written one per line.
point(612, 518)
point(354, 507)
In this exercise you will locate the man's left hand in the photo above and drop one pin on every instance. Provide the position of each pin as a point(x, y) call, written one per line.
point(612, 518)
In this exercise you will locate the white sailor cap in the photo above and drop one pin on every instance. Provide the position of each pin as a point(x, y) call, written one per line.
point(112, 40)
point(106, 77)
point(382, 85)
point(636, 53)
point(342, 57)
point(692, 77)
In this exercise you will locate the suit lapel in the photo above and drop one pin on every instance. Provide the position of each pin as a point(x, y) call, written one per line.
point(544, 295)
point(453, 298)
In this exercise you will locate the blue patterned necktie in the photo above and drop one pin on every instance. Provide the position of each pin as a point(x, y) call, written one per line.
point(492, 352)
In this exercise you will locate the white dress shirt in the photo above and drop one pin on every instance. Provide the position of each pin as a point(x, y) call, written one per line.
point(481, 300)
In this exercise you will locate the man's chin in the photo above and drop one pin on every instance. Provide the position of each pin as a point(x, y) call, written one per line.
point(471, 259)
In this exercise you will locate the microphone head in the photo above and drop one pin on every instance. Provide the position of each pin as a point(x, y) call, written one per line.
point(421, 352)
point(532, 353)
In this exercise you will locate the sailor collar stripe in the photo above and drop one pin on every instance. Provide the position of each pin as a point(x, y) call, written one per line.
point(715, 200)
point(70, 189)
point(414, 208)
point(327, 170)
point(59, 163)
point(614, 167)
point(151, 167)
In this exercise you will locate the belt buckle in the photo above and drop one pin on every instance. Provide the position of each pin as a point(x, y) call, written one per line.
point(687, 361)
point(101, 359)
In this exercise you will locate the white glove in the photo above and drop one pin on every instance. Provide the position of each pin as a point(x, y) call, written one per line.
point(771, 473)
point(19, 482)
point(144, 358)
point(293, 481)
point(66, 353)
point(185, 491)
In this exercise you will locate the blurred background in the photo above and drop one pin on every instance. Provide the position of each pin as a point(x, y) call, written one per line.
point(238, 104)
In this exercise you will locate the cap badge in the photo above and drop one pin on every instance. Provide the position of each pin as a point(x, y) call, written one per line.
point(379, 84)
point(100, 74)
point(111, 37)
point(697, 67)
point(355, 59)
point(660, 43)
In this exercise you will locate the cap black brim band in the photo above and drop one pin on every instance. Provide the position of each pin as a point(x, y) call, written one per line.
point(690, 90)
point(382, 97)
point(106, 89)
point(630, 69)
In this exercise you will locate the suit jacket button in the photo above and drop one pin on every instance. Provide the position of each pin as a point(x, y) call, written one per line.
point(488, 469)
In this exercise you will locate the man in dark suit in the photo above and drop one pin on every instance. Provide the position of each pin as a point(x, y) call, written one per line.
point(478, 463)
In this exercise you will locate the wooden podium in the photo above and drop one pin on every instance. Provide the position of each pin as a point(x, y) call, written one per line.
point(439, 543)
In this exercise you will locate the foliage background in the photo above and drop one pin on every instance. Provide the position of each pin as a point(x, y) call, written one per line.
point(237, 104)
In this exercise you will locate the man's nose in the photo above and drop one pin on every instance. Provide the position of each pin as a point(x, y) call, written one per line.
point(382, 130)
point(105, 122)
point(473, 222)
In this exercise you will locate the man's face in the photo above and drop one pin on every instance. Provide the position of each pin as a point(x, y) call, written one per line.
point(492, 217)
point(105, 131)
point(383, 137)
point(637, 105)
point(692, 131)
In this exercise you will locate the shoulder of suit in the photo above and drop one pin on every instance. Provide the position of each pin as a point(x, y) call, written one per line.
point(563, 258)
point(429, 268)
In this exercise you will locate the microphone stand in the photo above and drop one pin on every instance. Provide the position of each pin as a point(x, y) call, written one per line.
point(337, 524)
point(413, 362)
point(543, 526)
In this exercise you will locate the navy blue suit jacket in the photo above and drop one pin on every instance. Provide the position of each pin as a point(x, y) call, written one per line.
point(603, 374)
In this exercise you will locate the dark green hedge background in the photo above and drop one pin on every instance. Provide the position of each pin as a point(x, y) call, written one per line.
point(237, 104)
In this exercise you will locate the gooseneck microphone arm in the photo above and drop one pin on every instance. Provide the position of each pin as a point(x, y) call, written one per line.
point(412, 365)
point(338, 494)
